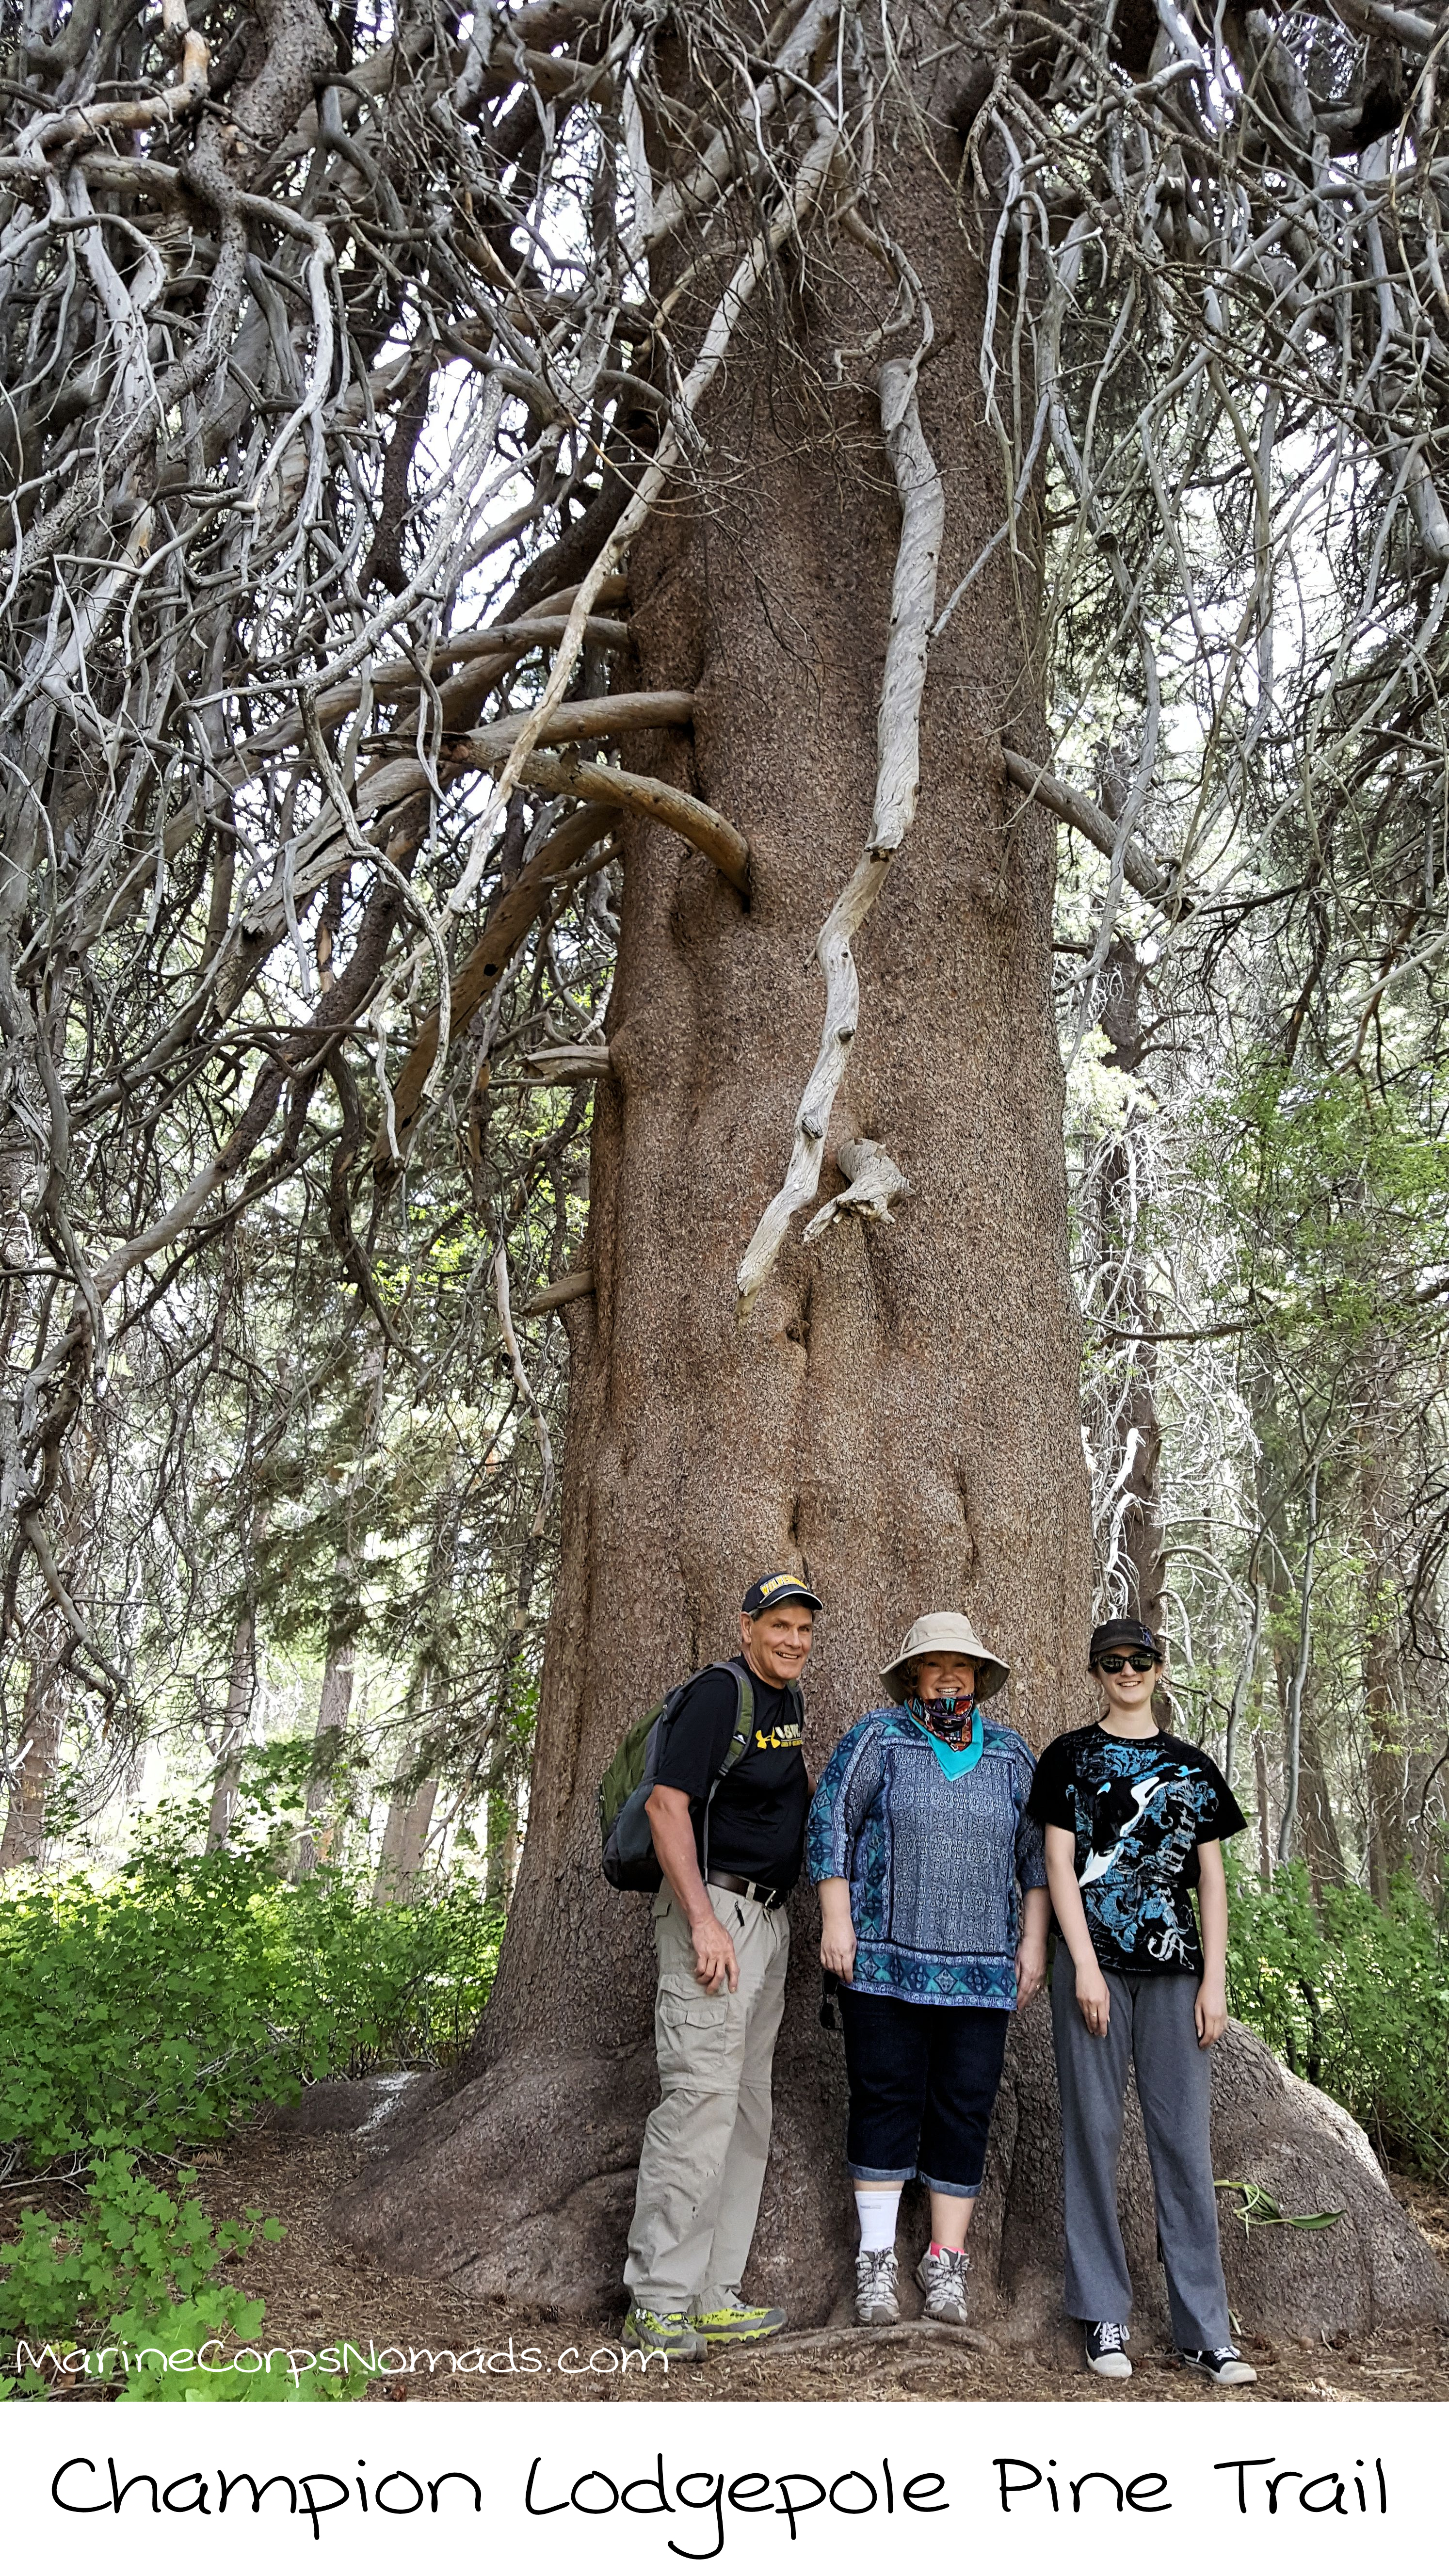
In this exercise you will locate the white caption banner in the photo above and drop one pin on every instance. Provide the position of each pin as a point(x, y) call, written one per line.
point(646, 2488)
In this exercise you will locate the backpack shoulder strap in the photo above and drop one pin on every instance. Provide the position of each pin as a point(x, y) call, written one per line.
point(744, 1716)
point(738, 1743)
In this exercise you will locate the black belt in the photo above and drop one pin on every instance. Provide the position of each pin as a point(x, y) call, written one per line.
point(766, 1896)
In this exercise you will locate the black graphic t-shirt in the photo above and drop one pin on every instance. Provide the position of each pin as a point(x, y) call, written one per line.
point(1138, 1807)
point(757, 1821)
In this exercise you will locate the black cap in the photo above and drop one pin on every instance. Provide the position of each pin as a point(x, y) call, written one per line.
point(769, 1591)
point(1123, 1636)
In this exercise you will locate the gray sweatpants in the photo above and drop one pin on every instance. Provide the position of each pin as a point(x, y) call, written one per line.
point(702, 2164)
point(1150, 2023)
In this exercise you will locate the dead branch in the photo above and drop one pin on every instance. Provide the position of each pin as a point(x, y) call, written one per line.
point(913, 604)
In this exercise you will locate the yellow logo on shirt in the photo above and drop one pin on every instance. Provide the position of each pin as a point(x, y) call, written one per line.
point(781, 1739)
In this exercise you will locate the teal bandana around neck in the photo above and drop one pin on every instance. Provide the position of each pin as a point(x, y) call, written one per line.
point(954, 1759)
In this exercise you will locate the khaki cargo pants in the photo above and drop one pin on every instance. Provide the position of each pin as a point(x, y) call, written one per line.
point(702, 2164)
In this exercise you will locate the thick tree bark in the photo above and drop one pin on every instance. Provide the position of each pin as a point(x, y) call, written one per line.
point(899, 1417)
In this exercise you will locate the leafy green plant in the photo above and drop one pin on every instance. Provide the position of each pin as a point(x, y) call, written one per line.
point(158, 2375)
point(160, 2011)
point(132, 2261)
point(133, 2278)
point(132, 2253)
point(1354, 1996)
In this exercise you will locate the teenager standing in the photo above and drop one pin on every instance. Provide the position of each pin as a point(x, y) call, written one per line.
point(1134, 1821)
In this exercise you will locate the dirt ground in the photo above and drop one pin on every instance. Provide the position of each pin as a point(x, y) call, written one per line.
point(317, 2292)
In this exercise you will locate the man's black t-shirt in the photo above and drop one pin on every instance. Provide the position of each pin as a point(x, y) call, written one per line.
point(1139, 1807)
point(757, 1821)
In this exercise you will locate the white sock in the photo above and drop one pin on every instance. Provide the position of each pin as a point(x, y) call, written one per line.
point(876, 2211)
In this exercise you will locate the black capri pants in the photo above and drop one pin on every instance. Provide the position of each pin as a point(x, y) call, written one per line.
point(923, 2079)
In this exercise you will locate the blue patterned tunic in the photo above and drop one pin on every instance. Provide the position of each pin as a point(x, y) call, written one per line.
point(933, 1864)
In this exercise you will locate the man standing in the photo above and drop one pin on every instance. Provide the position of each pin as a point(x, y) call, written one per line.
point(731, 1849)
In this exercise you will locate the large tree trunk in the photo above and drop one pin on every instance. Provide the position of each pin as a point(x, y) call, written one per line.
point(899, 1418)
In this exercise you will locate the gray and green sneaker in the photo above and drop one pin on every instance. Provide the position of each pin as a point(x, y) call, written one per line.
point(673, 2335)
point(736, 2324)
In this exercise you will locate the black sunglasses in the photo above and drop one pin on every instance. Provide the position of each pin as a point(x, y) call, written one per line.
point(1140, 1663)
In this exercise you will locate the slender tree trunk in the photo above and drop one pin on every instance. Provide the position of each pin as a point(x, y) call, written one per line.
point(334, 1707)
point(404, 1841)
point(1260, 1785)
point(1387, 1763)
point(1137, 1508)
point(1292, 1670)
point(501, 1863)
point(236, 1726)
point(23, 1842)
point(1317, 1823)
point(1308, 1827)
point(1243, 1686)
point(410, 1808)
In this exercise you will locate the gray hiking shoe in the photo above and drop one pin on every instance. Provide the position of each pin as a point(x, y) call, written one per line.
point(875, 2289)
point(1105, 2353)
point(943, 2278)
point(673, 2335)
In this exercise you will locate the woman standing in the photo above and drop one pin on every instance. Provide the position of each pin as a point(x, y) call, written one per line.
point(918, 1840)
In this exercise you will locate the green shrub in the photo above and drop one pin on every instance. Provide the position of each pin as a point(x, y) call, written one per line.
point(161, 2010)
point(131, 2254)
point(1354, 1996)
point(154, 2380)
point(164, 2009)
point(134, 2274)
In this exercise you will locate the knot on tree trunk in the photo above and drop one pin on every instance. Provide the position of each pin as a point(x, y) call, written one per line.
point(874, 1180)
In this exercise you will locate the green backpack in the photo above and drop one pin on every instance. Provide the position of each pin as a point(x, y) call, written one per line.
point(630, 1860)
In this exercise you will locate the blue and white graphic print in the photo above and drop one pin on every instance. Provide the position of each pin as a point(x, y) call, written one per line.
point(933, 1863)
point(1138, 1809)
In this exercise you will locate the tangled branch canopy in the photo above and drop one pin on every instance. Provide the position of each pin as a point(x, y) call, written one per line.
point(344, 353)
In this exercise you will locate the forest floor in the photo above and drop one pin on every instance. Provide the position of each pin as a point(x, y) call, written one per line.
point(319, 2292)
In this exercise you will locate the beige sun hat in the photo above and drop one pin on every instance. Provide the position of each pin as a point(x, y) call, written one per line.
point(946, 1632)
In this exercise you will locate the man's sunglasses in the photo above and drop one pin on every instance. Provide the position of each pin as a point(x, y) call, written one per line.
point(1139, 1663)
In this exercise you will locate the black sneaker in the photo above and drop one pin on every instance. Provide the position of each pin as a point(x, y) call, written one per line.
point(1105, 2353)
point(1225, 2365)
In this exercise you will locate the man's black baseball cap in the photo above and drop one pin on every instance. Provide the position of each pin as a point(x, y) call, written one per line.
point(768, 1591)
point(1123, 1637)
